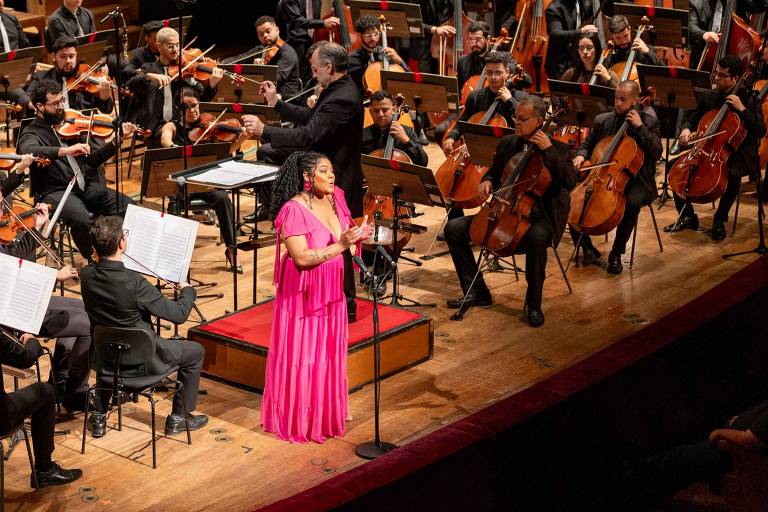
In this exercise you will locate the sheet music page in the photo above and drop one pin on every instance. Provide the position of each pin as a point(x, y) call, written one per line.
point(145, 228)
point(233, 172)
point(178, 243)
point(9, 269)
point(31, 295)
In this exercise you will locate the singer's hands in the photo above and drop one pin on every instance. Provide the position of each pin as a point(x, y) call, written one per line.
point(366, 229)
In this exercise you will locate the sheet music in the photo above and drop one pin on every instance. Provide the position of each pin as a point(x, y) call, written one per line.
point(159, 245)
point(25, 294)
point(235, 172)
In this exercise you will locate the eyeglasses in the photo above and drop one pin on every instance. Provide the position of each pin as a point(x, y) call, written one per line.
point(196, 106)
point(55, 104)
point(478, 39)
point(371, 35)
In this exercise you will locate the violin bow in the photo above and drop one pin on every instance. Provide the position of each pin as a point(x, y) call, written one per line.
point(210, 127)
point(85, 75)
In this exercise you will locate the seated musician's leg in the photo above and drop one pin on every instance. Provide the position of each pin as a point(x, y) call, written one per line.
point(688, 218)
point(535, 244)
point(589, 253)
point(725, 204)
point(457, 237)
point(75, 215)
point(636, 197)
point(103, 201)
point(190, 364)
point(222, 205)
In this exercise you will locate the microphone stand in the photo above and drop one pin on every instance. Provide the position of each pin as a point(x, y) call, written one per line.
point(373, 449)
point(116, 14)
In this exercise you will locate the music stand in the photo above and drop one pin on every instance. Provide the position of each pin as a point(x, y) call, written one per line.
point(584, 101)
point(403, 182)
point(249, 91)
point(670, 26)
point(174, 24)
point(682, 87)
point(91, 53)
point(15, 69)
point(482, 140)
point(158, 164)
point(423, 92)
point(102, 36)
point(405, 18)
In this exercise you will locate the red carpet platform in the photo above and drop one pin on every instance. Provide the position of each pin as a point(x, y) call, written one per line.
point(236, 345)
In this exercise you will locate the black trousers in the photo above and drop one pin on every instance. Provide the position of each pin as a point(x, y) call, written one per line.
point(190, 363)
point(225, 212)
point(534, 245)
point(305, 71)
point(96, 199)
point(723, 206)
point(35, 401)
point(67, 321)
point(636, 196)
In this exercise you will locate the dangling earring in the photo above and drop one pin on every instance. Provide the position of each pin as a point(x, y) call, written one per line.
point(307, 186)
point(308, 197)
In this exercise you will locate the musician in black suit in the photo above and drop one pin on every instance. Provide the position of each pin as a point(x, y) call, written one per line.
point(71, 19)
point(135, 304)
point(35, 401)
point(624, 42)
point(13, 32)
point(375, 136)
point(641, 190)
point(743, 161)
point(566, 21)
point(371, 50)
point(548, 216)
point(701, 14)
point(298, 19)
point(143, 54)
point(333, 126)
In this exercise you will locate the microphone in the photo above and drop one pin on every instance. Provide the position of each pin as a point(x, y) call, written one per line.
point(384, 254)
point(361, 264)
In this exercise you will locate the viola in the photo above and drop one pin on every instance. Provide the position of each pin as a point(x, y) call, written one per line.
point(272, 51)
point(342, 34)
point(227, 130)
point(9, 158)
point(382, 207)
point(478, 81)
point(701, 175)
point(736, 38)
point(10, 226)
point(529, 47)
point(195, 64)
point(628, 70)
point(87, 79)
point(503, 221)
point(372, 76)
point(99, 125)
point(597, 203)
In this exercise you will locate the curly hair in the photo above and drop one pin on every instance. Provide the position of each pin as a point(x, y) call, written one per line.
point(290, 178)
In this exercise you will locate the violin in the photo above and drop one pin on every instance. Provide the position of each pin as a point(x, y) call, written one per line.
point(98, 125)
point(270, 53)
point(529, 47)
point(597, 203)
point(208, 129)
point(628, 70)
point(348, 39)
point(503, 221)
point(701, 175)
point(739, 38)
point(372, 76)
point(194, 63)
point(478, 81)
point(382, 207)
point(458, 177)
point(10, 225)
point(9, 158)
point(87, 79)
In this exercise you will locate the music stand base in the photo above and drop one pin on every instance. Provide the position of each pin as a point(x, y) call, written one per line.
point(371, 450)
point(396, 300)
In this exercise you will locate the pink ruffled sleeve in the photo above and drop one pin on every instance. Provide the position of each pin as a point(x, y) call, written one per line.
point(290, 221)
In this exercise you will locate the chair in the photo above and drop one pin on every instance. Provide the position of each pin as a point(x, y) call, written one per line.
point(634, 236)
point(10, 435)
point(128, 348)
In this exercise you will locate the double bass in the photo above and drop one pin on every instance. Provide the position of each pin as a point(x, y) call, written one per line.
point(529, 46)
point(503, 221)
point(597, 203)
point(458, 177)
point(341, 34)
point(382, 207)
point(736, 38)
point(701, 175)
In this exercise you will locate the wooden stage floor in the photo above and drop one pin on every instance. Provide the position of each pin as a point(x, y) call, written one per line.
point(233, 465)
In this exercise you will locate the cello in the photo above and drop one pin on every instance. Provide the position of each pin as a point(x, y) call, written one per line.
point(737, 38)
point(372, 76)
point(382, 207)
point(529, 46)
point(627, 70)
point(701, 175)
point(503, 221)
point(458, 177)
point(597, 203)
point(341, 34)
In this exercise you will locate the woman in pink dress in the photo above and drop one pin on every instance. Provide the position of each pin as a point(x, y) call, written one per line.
point(305, 388)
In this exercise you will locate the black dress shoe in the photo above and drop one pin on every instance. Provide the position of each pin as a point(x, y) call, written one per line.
point(687, 222)
point(535, 317)
point(97, 424)
point(614, 264)
point(228, 255)
point(176, 424)
point(441, 237)
point(589, 255)
point(422, 139)
point(57, 475)
point(718, 230)
point(74, 403)
point(473, 299)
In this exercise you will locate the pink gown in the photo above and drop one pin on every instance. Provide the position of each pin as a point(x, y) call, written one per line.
point(305, 388)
